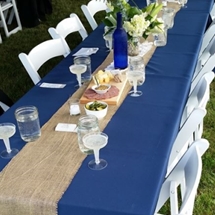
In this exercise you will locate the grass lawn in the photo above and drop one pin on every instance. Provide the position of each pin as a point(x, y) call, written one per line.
point(16, 82)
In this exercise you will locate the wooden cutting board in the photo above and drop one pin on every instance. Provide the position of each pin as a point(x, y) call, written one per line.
point(110, 101)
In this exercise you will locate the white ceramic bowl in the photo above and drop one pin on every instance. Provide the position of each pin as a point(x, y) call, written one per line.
point(101, 91)
point(98, 113)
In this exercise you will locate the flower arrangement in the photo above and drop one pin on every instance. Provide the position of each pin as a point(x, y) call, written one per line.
point(136, 22)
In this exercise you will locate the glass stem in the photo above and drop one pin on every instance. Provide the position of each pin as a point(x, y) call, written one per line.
point(79, 79)
point(7, 145)
point(96, 155)
point(110, 44)
point(135, 86)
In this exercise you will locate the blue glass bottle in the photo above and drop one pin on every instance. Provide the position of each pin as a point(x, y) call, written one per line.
point(120, 51)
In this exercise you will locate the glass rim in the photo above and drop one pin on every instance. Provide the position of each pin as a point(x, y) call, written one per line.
point(7, 123)
point(81, 56)
point(94, 133)
point(26, 107)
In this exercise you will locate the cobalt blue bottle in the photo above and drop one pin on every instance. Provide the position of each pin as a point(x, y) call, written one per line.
point(120, 51)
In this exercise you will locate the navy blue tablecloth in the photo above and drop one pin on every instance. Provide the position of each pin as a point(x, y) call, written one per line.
point(142, 131)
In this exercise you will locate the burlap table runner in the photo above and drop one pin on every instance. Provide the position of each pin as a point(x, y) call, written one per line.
point(35, 180)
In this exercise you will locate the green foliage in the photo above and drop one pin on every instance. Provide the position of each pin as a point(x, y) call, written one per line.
point(136, 22)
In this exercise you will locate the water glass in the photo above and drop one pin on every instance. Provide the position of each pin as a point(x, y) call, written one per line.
point(160, 39)
point(86, 124)
point(168, 17)
point(28, 123)
point(86, 60)
point(137, 64)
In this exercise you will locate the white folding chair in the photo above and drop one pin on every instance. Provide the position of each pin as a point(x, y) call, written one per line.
point(40, 54)
point(198, 98)
point(206, 62)
point(67, 26)
point(191, 127)
point(208, 36)
point(4, 106)
point(5, 101)
point(184, 137)
point(212, 13)
point(186, 175)
point(9, 7)
point(91, 9)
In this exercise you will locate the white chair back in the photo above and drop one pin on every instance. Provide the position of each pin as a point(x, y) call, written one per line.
point(9, 7)
point(40, 54)
point(67, 26)
point(186, 174)
point(91, 9)
point(206, 61)
point(199, 96)
point(212, 13)
point(185, 137)
point(208, 36)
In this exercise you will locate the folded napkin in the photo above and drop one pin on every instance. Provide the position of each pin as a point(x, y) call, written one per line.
point(86, 51)
point(51, 85)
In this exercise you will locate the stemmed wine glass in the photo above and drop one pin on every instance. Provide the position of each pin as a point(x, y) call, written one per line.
point(96, 141)
point(78, 69)
point(7, 130)
point(108, 37)
point(136, 74)
point(108, 41)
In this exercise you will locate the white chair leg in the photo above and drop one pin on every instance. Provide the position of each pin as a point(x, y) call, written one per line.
point(11, 17)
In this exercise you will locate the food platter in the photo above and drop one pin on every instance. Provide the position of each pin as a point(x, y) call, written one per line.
point(112, 97)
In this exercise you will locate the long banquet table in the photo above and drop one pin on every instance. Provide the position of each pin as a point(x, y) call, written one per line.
point(141, 132)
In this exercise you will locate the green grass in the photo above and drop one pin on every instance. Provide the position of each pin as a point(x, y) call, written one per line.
point(14, 79)
point(16, 82)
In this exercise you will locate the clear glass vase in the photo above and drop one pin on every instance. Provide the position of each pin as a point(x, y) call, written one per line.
point(133, 46)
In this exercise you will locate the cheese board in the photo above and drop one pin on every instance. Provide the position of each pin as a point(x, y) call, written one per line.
point(112, 97)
